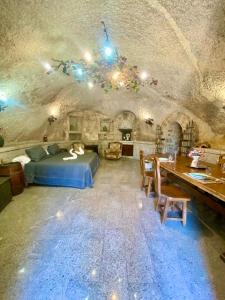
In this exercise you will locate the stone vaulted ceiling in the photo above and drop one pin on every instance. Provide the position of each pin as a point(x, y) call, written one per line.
point(181, 43)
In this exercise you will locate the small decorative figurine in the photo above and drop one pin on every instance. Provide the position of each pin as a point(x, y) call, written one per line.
point(196, 154)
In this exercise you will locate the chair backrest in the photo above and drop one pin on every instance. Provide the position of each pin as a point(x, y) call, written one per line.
point(157, 177)
point(115, 146)
point(221, 160)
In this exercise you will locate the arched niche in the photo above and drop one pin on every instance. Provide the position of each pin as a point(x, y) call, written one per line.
point(125, 124)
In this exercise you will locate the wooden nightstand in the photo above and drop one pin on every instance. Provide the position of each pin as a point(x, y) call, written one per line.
point(127, 150)
point(5, 192)
point(14, 171)
point(94, 148)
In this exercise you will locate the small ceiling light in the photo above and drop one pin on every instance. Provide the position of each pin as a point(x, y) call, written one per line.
point(79, 72)
point(59, 214)
point(3, 97)
point(143, 75)
point(114, 297)
point(90, 84)
point(108, 51)
point(116, 75)
point(93, 273)
point(21, 271)
point(48, 68)
point(87, 56)
point(121, 83)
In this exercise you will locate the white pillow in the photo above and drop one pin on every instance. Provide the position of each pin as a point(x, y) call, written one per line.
point(23, 159)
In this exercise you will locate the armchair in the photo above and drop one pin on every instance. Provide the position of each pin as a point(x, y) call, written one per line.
point(114, 151)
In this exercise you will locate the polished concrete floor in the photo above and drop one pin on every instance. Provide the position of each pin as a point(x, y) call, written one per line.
point(107, 242)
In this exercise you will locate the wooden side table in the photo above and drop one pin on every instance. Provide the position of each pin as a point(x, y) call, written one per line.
point(14, 171)
point(91, 147)
point(127, 150)
point(5, 192)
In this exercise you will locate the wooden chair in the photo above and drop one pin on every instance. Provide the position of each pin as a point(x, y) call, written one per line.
point(145, 174)
point(169, 197)
point(221, 160)
point(114, 151)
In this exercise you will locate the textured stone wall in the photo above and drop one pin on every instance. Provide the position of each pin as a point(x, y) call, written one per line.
point(181, 43)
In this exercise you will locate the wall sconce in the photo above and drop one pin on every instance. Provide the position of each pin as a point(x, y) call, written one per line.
point(51, 119)
point(149, 121)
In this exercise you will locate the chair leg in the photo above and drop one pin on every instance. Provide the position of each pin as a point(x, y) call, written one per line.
point(149, 188)
point(165, 211)
point(156, 203)
point(142, 182)
point(184, 213)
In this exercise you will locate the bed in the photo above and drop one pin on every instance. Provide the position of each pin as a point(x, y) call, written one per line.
point(55, 171)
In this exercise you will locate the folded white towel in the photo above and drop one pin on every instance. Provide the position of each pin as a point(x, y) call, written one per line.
point(80, 151)
point(74, 155)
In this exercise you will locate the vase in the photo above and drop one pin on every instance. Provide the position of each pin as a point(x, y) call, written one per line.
point(1, 141)
point(194, 163)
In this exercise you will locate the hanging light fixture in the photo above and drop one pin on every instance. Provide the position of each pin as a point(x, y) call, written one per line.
point(105, 68)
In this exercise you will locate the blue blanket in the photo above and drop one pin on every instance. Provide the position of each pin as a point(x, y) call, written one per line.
point(55, 171)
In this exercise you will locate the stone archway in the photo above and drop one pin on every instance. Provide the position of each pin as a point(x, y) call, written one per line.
point(173, 127)
point(177, 117)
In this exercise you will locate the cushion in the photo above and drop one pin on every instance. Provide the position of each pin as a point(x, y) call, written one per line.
point(36, 153)
point(23, 159)
point(53, 149)
point(115, 146)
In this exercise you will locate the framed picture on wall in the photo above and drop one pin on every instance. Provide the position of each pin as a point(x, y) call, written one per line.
point(105, 125)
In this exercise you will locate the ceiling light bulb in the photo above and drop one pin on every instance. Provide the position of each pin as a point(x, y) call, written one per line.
point(114, 297)
point(90, 85)
point(47, 67)
point(59, 214)
point(79, 71)
point(21, 271)
point(88, 56)
point(3, 97)
point(108, 51)
point(143, 75)
point(116, 75)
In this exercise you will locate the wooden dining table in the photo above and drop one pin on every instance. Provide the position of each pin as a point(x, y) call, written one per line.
point(182, 165)
point(212, 194)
